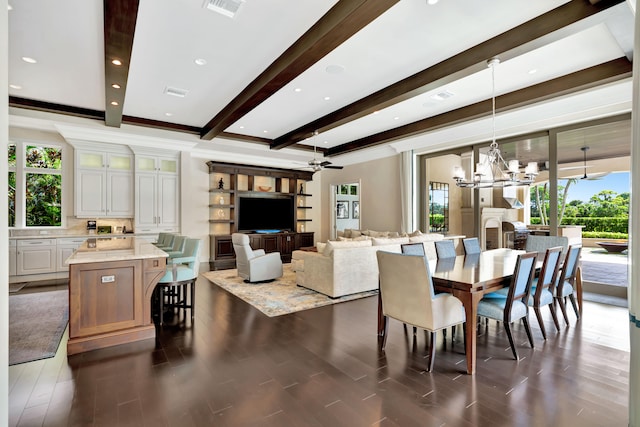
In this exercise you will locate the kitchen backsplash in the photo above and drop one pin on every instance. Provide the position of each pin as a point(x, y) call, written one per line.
point(76, 226)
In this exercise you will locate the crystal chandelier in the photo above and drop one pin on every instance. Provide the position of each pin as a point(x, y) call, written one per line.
point(494, 171)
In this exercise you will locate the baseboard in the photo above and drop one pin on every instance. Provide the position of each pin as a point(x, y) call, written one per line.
point(605, 289)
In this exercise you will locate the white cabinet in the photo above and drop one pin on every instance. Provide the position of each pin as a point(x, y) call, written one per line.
point(65, 248)
point(13, 253)
point(35, 256)
point(103, 184)
point(157, 194)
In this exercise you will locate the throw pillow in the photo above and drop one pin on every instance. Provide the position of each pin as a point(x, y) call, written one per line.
point(415, 233)
point(331, 245)
point(379, 241)
point(430, 237)
point(321, 246)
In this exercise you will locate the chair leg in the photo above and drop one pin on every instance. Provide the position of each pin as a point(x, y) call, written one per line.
point(161, 299)
point(554, 314)
point(507, 328)
point(563, 308)
point(385, 323)
point(525, 320)
point(540, 322)
point(432, 352)
point(575, 307)
point(193, 300)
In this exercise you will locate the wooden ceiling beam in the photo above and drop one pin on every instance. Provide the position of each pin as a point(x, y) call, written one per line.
point(570, 18)
point(119, 27)
point(341, 22)
point(608, 72)
point(50, 107)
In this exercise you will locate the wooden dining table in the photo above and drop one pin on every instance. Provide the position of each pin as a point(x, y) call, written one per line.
point(469, 278)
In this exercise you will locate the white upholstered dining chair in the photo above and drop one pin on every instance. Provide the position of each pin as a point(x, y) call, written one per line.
point(407, 295)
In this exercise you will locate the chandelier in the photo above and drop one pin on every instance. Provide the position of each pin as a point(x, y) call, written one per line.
point(494, 171)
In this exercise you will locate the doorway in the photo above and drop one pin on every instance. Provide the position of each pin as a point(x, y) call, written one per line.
point(345, 207)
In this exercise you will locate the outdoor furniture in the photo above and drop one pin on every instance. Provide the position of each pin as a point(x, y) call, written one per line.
point(614, 247)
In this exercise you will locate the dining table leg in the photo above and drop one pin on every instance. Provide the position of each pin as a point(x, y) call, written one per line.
point(470, 302)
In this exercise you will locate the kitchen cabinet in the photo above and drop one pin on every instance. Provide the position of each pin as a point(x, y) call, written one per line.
point(35, 256)
point(103, 184)
point(157, 194)
point(65, 248)
point(13, 253)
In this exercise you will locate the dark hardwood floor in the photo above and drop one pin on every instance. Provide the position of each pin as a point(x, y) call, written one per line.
point(237, 367)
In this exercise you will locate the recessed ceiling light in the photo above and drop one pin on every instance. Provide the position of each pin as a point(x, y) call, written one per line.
point(115, 86)
point(241, 127)
point(326, 98)
point(396, 118)
point(168, 114)
point(432, 2)
point(297, 89)
point(114, 103)
point(265, 131)
point(200, 61)
point(533, 71)
point(9, 7)
point(17, 87)
point(29, 60)
point(116, 62)
point(334, 69)
point(376, 112)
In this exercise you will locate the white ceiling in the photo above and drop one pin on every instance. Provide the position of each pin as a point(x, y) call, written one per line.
point(66, 38)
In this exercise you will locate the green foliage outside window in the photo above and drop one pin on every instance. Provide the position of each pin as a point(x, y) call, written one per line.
point(42, 177)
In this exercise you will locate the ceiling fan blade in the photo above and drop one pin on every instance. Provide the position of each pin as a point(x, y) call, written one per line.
point(325, 163)
point(333, 167)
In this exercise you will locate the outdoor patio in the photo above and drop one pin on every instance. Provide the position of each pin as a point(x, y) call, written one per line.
point(605, 276)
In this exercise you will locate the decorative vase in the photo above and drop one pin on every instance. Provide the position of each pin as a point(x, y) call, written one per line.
point(221, 200)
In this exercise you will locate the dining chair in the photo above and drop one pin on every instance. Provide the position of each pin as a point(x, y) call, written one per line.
point(407, 295)
point(176, 288)
point(565, 286)
point(543, 287)
point(515, 305)
point(445, 249)
point(471, 246)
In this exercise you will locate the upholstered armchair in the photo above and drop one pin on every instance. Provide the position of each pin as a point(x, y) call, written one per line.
point(255, 265)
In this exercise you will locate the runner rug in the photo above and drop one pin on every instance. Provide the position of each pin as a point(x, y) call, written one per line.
point(36, 324)
point(279, 297)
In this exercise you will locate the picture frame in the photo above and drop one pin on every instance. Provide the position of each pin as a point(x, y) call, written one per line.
point(355, 209)
point(342, 209)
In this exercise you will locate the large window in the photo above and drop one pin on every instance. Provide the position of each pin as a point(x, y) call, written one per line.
point(35, 185)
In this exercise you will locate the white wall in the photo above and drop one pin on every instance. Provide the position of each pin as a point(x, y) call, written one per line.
point(379, 194)
point(4, 232)
point(194, 195)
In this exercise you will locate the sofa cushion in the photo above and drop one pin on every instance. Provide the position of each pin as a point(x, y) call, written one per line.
point(350, 239)
point(430, 237)
point(320, 246)
point(380, 241)
point(415, 233)
point(331, 245)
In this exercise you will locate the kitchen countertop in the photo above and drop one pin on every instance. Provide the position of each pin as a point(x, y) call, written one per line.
point(105, 249)
point(72, 236)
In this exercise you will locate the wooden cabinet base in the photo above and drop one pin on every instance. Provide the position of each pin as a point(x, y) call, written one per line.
point(82, 344)
point(110, 302)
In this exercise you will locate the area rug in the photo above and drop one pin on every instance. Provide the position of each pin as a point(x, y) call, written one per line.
point(36, 324)
point(279, 297)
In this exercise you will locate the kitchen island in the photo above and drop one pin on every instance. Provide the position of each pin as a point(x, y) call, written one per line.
point(111, 280)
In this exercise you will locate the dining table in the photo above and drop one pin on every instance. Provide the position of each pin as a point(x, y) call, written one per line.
point(469, 278)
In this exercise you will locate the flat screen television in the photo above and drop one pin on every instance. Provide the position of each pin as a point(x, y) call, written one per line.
point(266, 214)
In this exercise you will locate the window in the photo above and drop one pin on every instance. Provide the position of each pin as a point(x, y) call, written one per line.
point(35, 185)
point(438, 207)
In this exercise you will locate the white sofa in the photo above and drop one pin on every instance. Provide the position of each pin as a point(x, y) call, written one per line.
point(346, 267)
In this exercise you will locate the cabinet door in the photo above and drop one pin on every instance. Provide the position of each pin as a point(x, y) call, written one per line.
point(12, 261)
point(90, 192)
point(120, 194)
point(64, 252)
point(168, 165)
point(36, 259)
point(145, 201)
point(90, 160)
point(168, 200)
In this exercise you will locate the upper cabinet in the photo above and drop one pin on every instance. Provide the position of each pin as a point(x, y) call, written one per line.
point(103, 182)
point(157, 186)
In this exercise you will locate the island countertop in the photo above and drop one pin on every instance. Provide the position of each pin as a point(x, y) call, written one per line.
point(105, 249)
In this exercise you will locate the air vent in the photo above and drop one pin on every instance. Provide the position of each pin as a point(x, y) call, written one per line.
point(174, 91)
point(441, 96)
point(224, 7)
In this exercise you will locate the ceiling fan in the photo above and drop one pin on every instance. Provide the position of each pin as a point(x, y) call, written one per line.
point(316, 164)
point(592, 176)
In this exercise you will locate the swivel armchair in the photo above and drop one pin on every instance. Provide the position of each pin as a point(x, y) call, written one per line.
point(255, 265)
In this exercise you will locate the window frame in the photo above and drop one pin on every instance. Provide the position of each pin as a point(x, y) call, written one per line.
point(21, 170)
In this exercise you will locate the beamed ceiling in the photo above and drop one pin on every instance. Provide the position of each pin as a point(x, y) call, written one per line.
point(373, 77)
